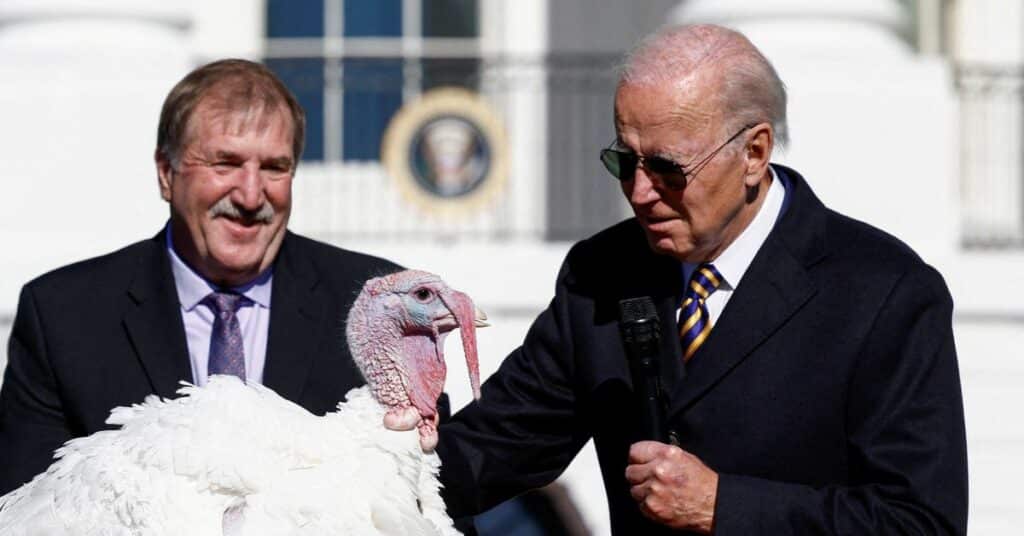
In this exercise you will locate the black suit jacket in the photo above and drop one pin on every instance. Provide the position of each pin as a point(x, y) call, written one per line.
point(108, 332)
point(827, 395)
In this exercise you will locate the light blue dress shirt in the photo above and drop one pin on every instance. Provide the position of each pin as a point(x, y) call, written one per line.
point(253, 317)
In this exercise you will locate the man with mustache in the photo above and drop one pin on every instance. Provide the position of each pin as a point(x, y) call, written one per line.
point(224, 288)
point(810, 371)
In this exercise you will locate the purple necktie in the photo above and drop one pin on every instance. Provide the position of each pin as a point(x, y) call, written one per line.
point(227, 356)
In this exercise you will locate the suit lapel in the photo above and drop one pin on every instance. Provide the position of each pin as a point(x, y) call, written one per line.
point(774, 288)
point(672, 370)
point(295, 315)
point(153, 322)
point(661, 280)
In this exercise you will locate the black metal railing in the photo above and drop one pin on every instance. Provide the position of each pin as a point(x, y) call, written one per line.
point(556, 114)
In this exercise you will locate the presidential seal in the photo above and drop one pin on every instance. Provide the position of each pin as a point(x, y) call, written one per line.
point(446, 152)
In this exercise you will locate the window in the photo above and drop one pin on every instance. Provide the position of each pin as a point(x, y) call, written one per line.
point(353, 63)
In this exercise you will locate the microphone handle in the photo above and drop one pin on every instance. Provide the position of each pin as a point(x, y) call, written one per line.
point(647, 387)
point(641, 339)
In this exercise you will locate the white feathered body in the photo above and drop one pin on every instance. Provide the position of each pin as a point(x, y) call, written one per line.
point(175, 466)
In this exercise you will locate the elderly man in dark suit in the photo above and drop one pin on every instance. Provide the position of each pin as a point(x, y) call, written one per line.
point(813, 387)
point(225, 287)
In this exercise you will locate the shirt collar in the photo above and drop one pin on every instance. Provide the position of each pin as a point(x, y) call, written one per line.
point(193, 288)
point(733, 262)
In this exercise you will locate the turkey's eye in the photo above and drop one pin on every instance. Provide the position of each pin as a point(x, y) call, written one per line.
point(423, 294)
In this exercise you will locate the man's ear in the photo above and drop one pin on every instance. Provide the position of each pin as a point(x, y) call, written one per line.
point(759, 153)
point(165, 174)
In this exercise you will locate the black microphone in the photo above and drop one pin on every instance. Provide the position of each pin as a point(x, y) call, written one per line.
point(641, 336)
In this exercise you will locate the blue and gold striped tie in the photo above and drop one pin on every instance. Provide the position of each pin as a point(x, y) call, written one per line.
point(694, 321)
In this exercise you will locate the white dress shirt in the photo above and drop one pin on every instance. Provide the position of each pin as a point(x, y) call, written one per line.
point(733, 262)
point(253, 317)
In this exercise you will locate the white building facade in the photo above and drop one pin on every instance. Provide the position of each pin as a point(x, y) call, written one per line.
point(904, 114)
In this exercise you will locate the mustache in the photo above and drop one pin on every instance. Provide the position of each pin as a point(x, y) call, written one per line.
point(224, 207)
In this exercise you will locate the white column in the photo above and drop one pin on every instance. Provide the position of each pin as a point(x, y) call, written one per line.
point(873, 124)
point(226, 29)
point(990, 46)
point(82, 86)
point(989, 43)
point(513, 35)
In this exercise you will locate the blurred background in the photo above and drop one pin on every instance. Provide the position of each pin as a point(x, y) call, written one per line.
point(906, 114)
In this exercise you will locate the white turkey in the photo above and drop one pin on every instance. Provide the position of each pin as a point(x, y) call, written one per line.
point(236, 459)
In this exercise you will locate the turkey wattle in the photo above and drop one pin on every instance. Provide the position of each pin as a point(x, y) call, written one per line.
point(396, 331)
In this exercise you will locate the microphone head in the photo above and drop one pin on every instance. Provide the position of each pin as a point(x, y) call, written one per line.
point(635, 310)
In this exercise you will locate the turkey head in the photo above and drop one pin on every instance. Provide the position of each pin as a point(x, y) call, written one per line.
point(396, 332)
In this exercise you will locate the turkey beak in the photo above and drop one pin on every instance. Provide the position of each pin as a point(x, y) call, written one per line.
point(480, 320)
point(468, 317)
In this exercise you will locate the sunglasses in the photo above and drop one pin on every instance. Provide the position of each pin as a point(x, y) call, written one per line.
point(622, 164)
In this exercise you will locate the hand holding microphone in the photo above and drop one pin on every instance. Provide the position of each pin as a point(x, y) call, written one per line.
point(671, 486)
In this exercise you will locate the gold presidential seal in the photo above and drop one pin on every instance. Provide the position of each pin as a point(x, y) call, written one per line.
point(446, 152)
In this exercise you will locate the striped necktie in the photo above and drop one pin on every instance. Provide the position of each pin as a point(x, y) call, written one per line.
point(694, 321)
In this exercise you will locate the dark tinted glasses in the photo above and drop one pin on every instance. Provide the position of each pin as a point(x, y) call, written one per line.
point(622, 164)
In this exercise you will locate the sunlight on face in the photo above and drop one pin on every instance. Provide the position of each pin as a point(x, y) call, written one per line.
point(230, 193)
point(697, 222)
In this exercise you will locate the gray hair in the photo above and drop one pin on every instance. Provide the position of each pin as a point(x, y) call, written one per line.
point(749, 89)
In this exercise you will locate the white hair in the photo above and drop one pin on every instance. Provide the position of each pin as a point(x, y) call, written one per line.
point(749, 90)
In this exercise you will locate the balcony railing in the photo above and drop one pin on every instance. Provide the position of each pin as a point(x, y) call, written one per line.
point(992, 155)
point(555, 115)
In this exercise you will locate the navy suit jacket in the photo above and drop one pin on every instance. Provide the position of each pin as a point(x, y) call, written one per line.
point(827, 396)
point(108, 332)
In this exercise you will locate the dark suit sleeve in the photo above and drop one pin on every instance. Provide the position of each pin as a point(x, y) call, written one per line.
point(32, 421)
point(524, 430)
point(905, 439)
